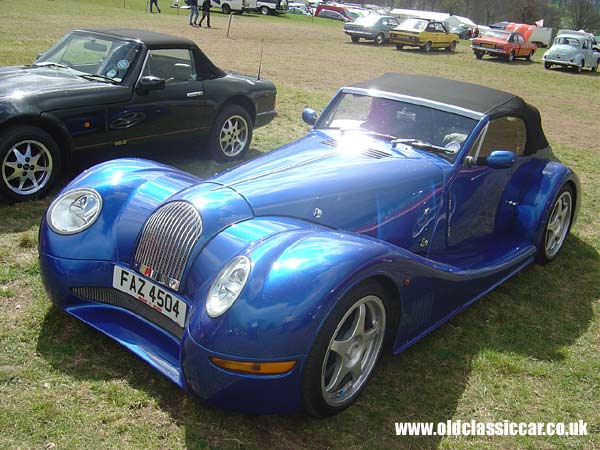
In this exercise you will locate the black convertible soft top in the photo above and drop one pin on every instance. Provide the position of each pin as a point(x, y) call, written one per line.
point(152, 39)
point(491, 102)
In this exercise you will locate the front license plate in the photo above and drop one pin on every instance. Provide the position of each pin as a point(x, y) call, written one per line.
point(151, 294)
point(488, 45)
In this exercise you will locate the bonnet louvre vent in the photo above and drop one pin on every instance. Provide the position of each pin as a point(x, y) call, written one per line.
point(374, 153)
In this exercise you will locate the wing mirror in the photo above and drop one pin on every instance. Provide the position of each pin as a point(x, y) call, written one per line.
point(309, 116)
point(150, 83)
point(501, 159)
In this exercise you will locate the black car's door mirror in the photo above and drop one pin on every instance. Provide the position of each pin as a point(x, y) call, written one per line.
point(150, 83)
point(309, 116)
point(501, 159)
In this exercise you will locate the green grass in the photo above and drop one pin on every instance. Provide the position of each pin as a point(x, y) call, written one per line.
point(526, 352)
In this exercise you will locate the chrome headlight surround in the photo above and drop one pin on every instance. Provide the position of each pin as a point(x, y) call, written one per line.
point(74, 211)
point(228, 286)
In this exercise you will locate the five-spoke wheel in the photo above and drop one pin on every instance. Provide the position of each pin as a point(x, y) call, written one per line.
point(29, 160)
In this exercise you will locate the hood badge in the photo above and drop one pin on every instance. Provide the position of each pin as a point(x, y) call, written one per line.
point(154, 275)
point(317, 213)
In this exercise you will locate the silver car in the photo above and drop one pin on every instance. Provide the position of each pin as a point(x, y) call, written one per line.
point(576, 49)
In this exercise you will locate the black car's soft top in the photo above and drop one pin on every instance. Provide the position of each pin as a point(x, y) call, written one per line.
point(152, 39)
point(474, 97)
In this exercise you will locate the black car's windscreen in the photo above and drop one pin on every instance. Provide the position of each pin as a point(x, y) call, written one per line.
point(91, 55)
point(400, 120)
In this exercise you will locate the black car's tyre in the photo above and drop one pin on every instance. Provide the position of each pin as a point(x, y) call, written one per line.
point(354, 38)
point(264, 10)
point(452, 47)
point(528, 57)
point(558, 224)
point(345, 351)
point(399, 46)
point(547, 65)
point(511, 56)
point(231, 134)
point(226, 9)
point(427, 47)
point(29, 163)
point(379, 39)
point(478, 55)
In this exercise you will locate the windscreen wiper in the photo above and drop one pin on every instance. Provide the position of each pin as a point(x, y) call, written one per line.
point(417, 143)
point(98, 78)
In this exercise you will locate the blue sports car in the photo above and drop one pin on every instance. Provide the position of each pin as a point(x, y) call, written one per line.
point(275, 286)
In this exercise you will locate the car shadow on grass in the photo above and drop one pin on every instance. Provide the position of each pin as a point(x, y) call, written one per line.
point(534, 316)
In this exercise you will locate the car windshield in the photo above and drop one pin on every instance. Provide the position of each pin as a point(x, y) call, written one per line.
point(496, 34)
point(563, 40)
point(393, 119)
point(99, 58)
point(368, 21)
point(413, 24)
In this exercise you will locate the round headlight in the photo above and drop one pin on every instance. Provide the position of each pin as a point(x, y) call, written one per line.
point(227, 286)
point(74, 211)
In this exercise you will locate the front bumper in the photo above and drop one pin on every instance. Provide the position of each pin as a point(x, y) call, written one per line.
point(411, 41)
point(361, 34)
point(183, 361)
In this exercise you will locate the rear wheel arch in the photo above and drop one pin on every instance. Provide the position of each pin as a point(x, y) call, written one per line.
point(242, 101)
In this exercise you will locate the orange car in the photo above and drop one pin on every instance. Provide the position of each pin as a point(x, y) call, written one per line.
point(502, 43)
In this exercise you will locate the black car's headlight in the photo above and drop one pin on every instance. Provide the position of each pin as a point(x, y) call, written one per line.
point(227, 286)
point(74, 211)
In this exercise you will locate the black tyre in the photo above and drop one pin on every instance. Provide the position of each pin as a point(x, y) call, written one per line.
point(427, 47)
point(355, 39)
point(231, 134)
point(29, 163)
point(595, 66)
point(345, 351)
point(264, 10)
point(511, 56)
point(379, 39)
point(399, 46)
point(547, 65)
point(226, 9)
point(478, 55)
point(452, 47)
point(528, 57)
point(558, 224)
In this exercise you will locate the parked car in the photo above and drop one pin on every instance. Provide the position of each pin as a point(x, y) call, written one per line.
point(100, 90)
point(266, 7)
point(505, 44)
point(574, 49)
point(335, 15)
point(272, 286)
point(373, 27)
point(423, 33)
point(340, 9)
point(299, 8)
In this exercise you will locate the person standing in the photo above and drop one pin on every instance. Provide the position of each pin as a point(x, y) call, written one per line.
point(154, 3)
point(205, 13)
point(193, 12)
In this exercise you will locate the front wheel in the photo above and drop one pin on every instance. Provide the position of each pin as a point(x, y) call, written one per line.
point(264, 10)
point(511, 56)
point(355, 39)
point(231, 134)
point(557, 226)
point(379, 39)
point(345, 351)
point(478, 55)
point(30, 161)
point(547, 65)
point(595, 66)
point(452, 47)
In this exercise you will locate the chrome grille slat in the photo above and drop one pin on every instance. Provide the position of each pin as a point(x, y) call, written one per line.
point(167, 240)
point(114, 297)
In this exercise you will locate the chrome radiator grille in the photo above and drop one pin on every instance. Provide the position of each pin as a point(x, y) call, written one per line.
point(167, 241)
point(114, 297)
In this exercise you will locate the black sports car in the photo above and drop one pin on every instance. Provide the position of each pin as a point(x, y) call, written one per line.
point(97, 90)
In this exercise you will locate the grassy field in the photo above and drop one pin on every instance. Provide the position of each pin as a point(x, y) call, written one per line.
point(526, 352)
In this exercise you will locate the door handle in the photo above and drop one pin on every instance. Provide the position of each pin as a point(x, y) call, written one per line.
point(195, 94)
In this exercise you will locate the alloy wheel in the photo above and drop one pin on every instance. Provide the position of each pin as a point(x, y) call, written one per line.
point(558, 224)
point(233, 136)
point(27, 167)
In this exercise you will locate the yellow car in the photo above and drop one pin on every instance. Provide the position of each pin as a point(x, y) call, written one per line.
point(423, 33)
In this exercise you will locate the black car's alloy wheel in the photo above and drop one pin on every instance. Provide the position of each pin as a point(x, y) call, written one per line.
point(231, 134)
point(30, 162)
point(345, 351)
